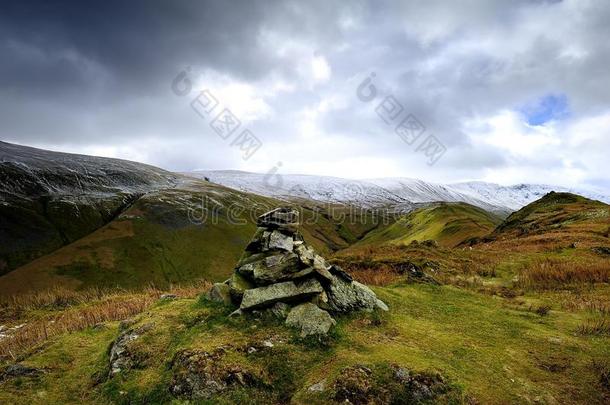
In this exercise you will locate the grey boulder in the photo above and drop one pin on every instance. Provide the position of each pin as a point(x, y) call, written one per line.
point(220, 292)
point(344, 296)
point(310, 320)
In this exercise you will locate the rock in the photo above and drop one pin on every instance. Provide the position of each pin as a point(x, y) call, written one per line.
point(280, 310)
point(305, 253)
point(19, 370)
point(236, 314)
point(601, 250)
point(275, 268)
point(318, 387)
point(250, 257)
point(416, 274)
point(420, 387)
point(360, 385)
point(325, 275)
point(278, 268)
point(126, 324)
point(168, 297)
point(381, 305)
point(220, 292)
point(259, 241)
point(321, 267)
point(287, 291)
point(338, 271)
point(321, 301)
point(200, 375)
point(237, 285)
point(354, 385)
point(278, 240)
point(310, 320)
point(348, 297)
point(120, 355)
point(279, 216)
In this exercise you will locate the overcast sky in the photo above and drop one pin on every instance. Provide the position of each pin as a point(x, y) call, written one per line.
point(515, 91)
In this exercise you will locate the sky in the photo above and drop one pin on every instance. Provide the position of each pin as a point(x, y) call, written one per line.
point(501, 91)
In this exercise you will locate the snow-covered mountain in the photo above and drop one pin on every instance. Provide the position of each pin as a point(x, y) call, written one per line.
point(396, 192)
point(31, 172)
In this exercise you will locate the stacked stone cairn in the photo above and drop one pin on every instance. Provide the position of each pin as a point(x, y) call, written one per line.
point(283, 276)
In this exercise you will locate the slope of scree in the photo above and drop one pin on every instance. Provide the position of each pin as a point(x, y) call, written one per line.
point(281, 274)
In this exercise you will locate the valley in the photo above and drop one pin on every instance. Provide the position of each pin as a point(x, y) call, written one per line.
point(488, 302)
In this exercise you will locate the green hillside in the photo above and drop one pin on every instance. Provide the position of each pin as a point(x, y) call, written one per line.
point(448, 224)
point(554, 212)
point(156, 242)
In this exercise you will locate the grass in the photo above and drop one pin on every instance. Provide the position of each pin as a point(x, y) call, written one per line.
point(491, 352)
point(557, 273)
point(50, 313)
point(447, 223)
point(522, 316)
point(154, 242)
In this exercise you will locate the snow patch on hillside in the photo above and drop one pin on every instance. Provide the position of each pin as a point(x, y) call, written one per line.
point(385, 192)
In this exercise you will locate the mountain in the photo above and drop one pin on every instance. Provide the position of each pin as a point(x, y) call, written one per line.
point(400, 193)
point(472, 325)
point(493, 322)
point(557, 218)
point(49, 199)
point(78, 221)
point(448, 224)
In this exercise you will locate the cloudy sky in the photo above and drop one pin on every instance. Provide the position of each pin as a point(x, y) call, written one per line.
point(511, 91)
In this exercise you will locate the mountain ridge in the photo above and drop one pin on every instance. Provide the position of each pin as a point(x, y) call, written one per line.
point(402, 193)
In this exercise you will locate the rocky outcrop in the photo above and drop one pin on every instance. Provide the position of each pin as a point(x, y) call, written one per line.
point(19, 370)
point(279, 268)
point(201, 375)
point(121, 356)
point(392, 384)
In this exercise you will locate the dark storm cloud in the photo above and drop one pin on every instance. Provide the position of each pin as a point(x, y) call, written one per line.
point(95, 77)
point(135, 43)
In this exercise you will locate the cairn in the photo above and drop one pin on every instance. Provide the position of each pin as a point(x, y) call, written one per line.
point(279, 273)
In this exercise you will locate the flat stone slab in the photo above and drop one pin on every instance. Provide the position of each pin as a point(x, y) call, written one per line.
point(287, 291)
point(283, 215)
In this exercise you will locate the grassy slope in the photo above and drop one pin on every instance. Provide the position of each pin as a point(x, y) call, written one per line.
point(554, 219)
point(154, 242)
point(499, 339)
point(496, 353)
point(447, 223)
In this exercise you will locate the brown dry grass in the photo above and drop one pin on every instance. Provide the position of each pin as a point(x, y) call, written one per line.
point(555, 273)
point(595, 327)
point(376, 277)
point(596, 300)
point(80, 310)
